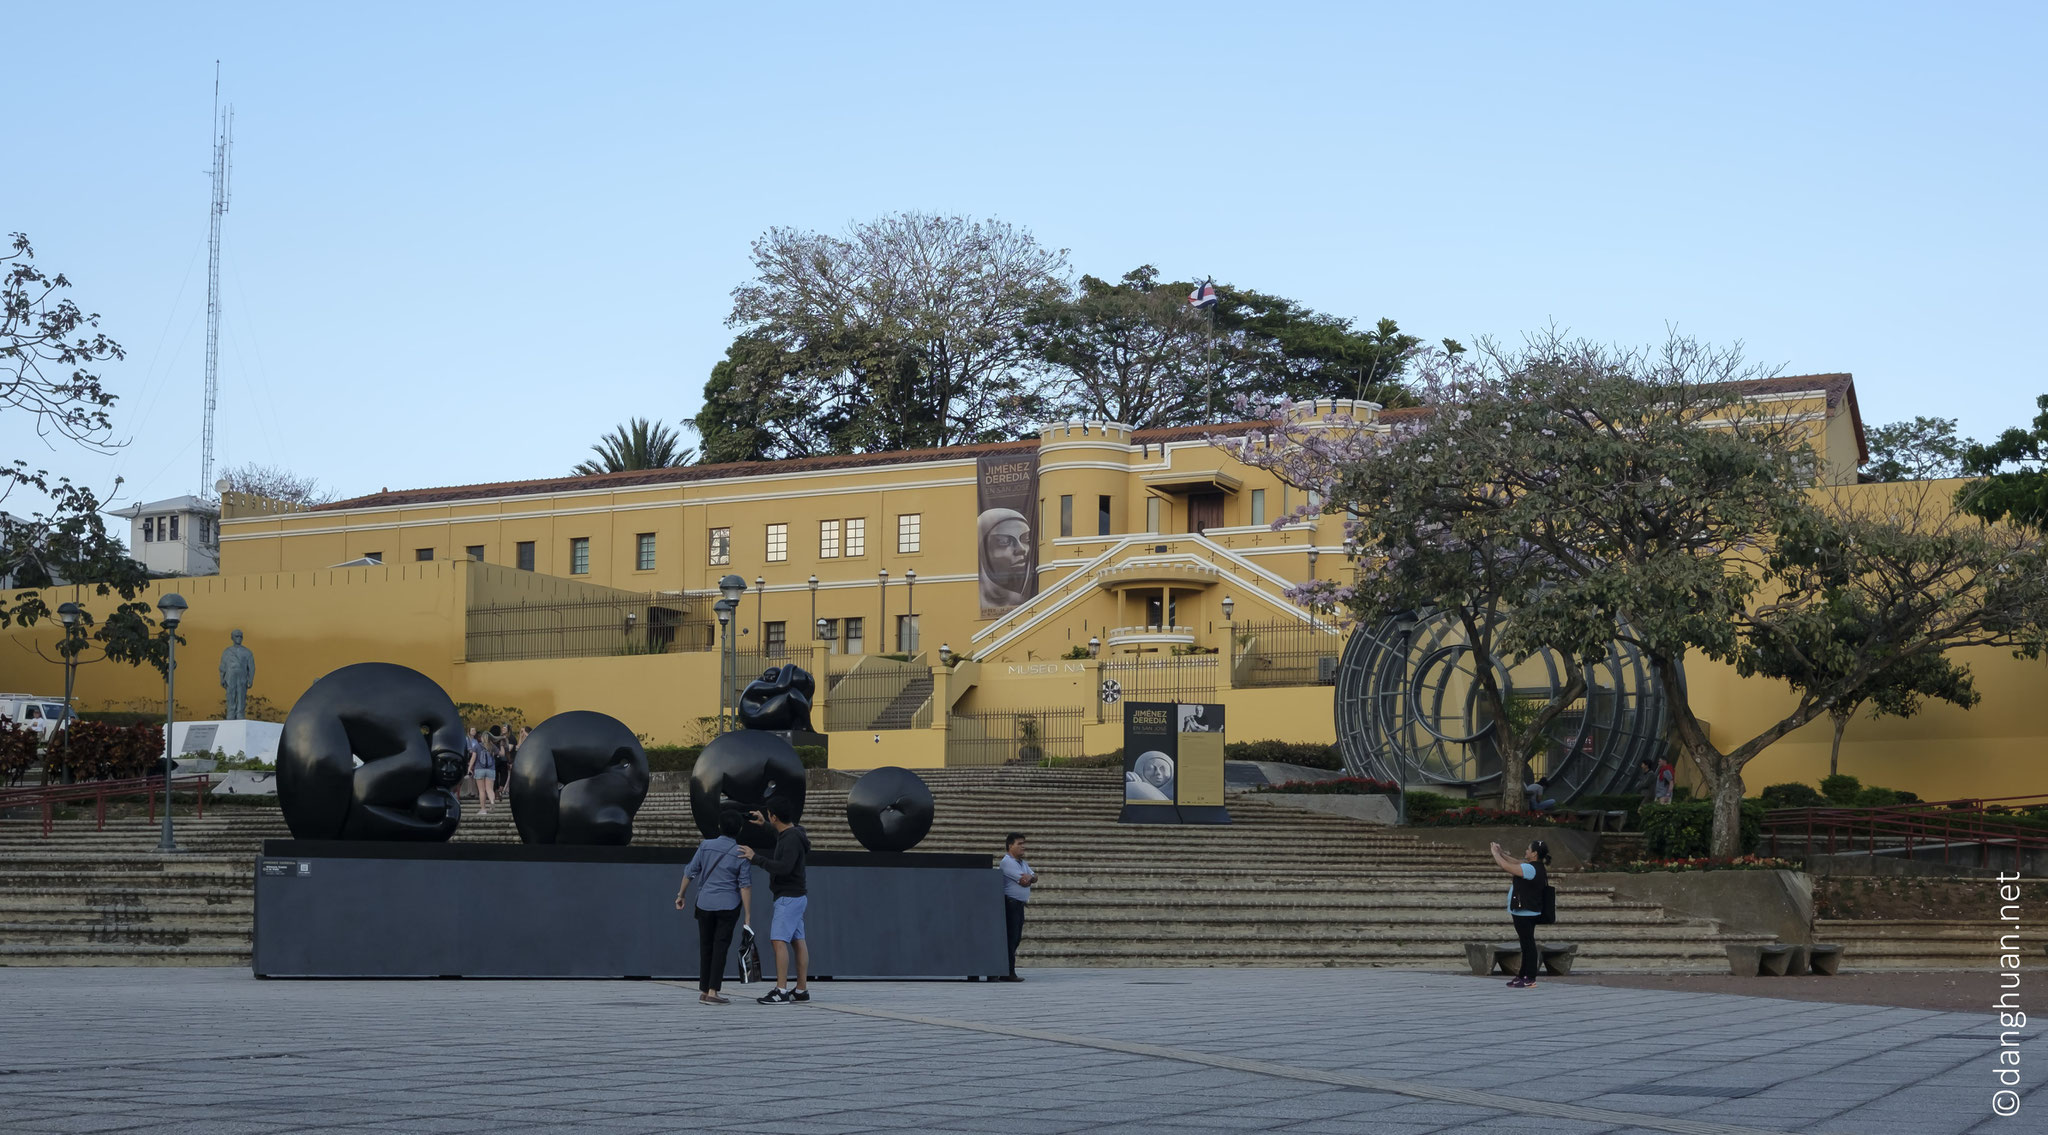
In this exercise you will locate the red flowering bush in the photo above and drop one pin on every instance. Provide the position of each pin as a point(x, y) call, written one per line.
point(17, 750)
point(1477, 817)
point(1341, 786)
point(98, 750)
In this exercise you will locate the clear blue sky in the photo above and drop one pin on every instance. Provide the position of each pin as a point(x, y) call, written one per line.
point(467, 239)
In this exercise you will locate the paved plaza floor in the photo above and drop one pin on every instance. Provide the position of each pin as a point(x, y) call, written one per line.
point(1111, 1051)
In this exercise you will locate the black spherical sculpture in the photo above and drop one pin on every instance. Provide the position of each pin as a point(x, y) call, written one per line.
point(889, 809)
point(746, 768)
point(409, 739)
point(779, 700)
point(578, 778)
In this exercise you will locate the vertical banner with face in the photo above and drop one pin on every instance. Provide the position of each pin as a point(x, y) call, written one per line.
point(1006, 500)
point(1198, 781)
point(1151, 762)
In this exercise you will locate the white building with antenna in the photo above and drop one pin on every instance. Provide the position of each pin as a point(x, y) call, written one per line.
point(179, 536)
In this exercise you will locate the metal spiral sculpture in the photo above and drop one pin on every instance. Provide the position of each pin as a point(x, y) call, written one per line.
point(1410, 709)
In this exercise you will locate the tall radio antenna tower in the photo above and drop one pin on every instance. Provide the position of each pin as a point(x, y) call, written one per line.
point(223, 144)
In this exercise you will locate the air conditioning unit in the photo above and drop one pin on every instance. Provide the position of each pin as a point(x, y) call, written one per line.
point(1326, 670)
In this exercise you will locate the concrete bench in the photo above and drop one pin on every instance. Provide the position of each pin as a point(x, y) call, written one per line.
point(1506, 957)
point(1762, 959)
point(1825, 958)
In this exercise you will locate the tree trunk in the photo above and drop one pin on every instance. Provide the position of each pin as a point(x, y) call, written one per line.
point(1727, 842)
point(1835, 754)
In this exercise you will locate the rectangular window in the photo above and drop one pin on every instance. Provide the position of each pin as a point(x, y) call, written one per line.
point(643, 552)
point(174, 527)
point(828, 539)
point(857, 537)
point(854, 630)
point(1102, 516)
point(423, 555)
point(906, 634)
point(525, 552)
point(149, 529)
point(1066, 516)
point(475, 552)
point(775, 637)
point(778, 543)
point(579, 556)
point(1258, 506)
point(1152, 514)
point(909, 532)
point(720, 543)
point(830, 635)
point(374, 557)
point(206, 530)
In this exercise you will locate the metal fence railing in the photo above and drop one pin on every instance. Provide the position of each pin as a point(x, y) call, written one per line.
point(1163, 679)
point(1014, 736)
point(585, 628)
point(1284, 654)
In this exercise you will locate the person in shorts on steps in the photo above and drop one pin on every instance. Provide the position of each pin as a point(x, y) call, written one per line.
point(724, 897)
point(785, 867)
point(1017, 881)
point(483, 766)
point(1525, 902)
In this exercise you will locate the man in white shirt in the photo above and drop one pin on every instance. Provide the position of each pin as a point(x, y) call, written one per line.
point(1018, 880)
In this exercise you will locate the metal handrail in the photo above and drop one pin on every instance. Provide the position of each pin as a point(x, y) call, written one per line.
point(99, 791)
point(1924, 824)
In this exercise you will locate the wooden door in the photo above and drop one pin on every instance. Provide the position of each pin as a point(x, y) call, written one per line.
point(1205, 511)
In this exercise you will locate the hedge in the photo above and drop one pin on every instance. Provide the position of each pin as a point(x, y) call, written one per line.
point(1686, 831)
point(101, 751)
point(683, 758)
point(1342, 786)
point(1304, 753)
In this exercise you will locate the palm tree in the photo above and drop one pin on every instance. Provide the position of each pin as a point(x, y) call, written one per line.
point(639, 444)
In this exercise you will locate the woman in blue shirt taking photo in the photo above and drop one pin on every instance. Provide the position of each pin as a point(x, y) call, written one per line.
point(724, 895)
point(1525, 902)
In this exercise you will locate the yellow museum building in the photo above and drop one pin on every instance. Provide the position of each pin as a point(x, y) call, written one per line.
point(1156, 573)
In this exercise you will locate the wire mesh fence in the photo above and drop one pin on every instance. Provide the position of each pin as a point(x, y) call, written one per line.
point(1285, 654)
point(584, 628)
point(1162, 679)
point(1014, 736)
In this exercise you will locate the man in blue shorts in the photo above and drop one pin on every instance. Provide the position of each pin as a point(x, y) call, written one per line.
point(785, 867)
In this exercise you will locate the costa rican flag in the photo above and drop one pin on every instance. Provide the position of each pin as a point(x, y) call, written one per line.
point(1204, 296)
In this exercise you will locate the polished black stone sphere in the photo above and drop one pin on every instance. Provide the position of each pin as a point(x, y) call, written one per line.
point(745, 768)
point(578, 778)
point(779, 700)
point(889, 809)
point(409, 738)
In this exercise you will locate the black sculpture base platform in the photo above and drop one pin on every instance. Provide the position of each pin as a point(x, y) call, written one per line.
point(364, 909)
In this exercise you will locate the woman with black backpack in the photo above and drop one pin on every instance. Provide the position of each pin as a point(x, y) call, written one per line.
point(1527, 898)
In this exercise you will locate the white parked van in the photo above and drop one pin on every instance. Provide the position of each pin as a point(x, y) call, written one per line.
point(35, 711)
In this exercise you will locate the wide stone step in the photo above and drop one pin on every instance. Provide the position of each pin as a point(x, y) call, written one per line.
point(1674, 953)
point(58, 934)
point(110, 954)
point(144, 917)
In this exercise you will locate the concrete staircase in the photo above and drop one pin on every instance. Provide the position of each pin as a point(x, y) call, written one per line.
point(1920, 945)
point(1276, 887)
point(902, 712)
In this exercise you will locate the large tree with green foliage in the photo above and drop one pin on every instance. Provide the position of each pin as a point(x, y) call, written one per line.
point(1675, 509)
point(907, 332)
point(1918, 450)
point(2012, 475)
point(1132, 352)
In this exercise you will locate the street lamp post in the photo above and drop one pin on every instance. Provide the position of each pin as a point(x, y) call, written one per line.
point(172, 610)
point(760, 600)
point(1230, 631)
point(910, 617)
point(882, 589)
point(1094, 647)
point(820, 625)
point(814, 600)
point(730, 588)
point(68, 614)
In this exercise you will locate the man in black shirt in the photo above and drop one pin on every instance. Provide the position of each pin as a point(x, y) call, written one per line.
point(785, 867)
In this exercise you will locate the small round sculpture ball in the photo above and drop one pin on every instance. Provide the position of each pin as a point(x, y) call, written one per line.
point(889, 809)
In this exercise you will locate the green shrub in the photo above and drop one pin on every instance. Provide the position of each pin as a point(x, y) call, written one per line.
point(120, 716)
point(1686, 831)
point(1792, 796)
point(1841, 790)
point(1342, 786)
point(1475, 816)
point(477, 715)
point(1307, 754)
point(1076, 652)
point(1424, 807)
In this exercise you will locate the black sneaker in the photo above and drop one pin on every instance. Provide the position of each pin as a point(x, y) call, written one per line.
point(799, 995)
point(775, 997)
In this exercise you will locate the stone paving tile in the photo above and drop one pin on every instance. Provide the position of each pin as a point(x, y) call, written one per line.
point(89, 1049)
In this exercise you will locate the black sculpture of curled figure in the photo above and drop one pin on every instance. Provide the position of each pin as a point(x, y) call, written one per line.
point(405, 732)
point(889, 809)
point(743, 768)
point(779, 700)
point(578, 778)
